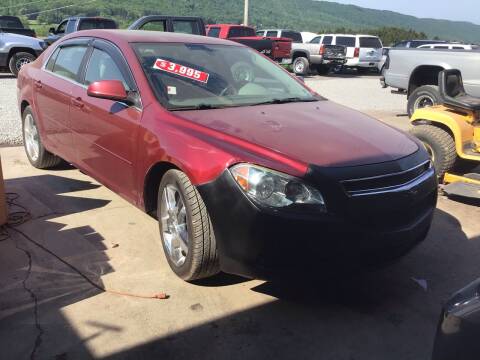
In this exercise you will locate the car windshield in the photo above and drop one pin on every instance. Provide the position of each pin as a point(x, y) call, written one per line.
point(205, 76)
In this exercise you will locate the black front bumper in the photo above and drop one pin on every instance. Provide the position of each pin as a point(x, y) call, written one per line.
point(355, 232)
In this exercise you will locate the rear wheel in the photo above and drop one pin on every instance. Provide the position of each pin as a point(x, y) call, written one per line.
point(38, 156)
point(424, 96)
point(185, 228)
point(18, 60)
point(322, 69)
point(439, 144)
point(300, 66)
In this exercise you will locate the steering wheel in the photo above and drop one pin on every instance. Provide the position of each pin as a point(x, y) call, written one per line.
point(225, 91)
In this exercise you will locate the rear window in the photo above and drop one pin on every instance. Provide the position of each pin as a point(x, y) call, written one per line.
point(347, 41)
point(88, 24)
point(10, 22)
point(370, 42)
point(240, 31)
point(327, 40)
point(214, 32)
point(295, 36)
point(67, 63)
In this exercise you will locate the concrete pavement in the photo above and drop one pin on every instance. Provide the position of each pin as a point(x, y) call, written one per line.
point(50, 311)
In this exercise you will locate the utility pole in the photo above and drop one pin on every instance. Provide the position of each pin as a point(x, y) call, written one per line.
point(245, 14)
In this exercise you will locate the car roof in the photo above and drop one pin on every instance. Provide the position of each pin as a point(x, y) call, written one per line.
point(139, 36)
point(351, 35)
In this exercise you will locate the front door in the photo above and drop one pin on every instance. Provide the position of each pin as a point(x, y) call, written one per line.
point(105, 131)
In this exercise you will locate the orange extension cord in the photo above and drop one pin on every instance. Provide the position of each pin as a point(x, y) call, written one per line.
point(17, 218)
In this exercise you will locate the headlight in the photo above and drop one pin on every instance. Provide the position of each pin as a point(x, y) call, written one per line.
point(43, 45)
point(275, 189)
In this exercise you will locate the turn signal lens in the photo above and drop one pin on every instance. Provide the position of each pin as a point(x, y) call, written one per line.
point(273, 188)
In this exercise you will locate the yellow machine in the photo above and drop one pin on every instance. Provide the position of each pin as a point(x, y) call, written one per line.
point(451, 135)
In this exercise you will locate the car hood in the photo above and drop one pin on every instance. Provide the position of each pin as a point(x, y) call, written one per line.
point(320, 133)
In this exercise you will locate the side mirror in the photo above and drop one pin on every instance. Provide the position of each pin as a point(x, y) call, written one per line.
point(108, 89)
point(51, 30)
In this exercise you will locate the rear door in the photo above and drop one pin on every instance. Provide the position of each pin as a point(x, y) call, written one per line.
point(105, 131)
point(349, 42)
point(370, 49)
point(53, 91)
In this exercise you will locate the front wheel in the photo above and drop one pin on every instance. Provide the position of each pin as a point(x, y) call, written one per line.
point(300, 66)
point(440, 146)
point(18, 60)
point(185, 228)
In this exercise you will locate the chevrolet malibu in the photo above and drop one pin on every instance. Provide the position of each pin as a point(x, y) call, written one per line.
point(247, 170)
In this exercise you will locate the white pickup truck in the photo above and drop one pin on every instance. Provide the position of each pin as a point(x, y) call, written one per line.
point(415, 73)
point(315, 55)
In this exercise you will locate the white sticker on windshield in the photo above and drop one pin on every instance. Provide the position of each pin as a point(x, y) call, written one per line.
point(171, 90)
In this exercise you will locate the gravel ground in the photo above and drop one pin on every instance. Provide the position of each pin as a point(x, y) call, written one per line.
point(362, 93)
point(10, 128)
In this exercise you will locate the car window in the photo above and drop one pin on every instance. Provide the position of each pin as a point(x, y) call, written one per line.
point(240, 31)
point(295, 36)
point(316, 40)
point(154, 25)
point(271, 34)
point(52, 59)
point(68, 61)
point(327, 40)
point(214, 32)
point(61, 27)
point(88, 24)
point(260, 33)
point(348, 41)
point(101, 66)
point(458, 48)
point(370, 42)
point(10, 22)
point(186, 27)
point(70, 26)
point(440, 47)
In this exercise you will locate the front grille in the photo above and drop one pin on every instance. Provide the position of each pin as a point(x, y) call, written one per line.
point(384, 182)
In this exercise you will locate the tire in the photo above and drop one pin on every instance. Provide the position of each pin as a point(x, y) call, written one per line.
point(424, 96)
point(440, 145)
point(201, 258)
point(36, 153)
point(18, 60)
point(301, 66)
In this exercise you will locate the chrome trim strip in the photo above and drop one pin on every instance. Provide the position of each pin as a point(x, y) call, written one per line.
point(398, 188)
point(388, 175)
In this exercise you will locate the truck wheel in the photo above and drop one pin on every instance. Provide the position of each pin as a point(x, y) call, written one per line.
point(439, 144)
point(185, 228)
point(424, 96)
point(18, 60)
point(300, 66)
point(38, 156)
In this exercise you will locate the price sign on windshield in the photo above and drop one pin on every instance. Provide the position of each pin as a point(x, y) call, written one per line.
point(181, 70)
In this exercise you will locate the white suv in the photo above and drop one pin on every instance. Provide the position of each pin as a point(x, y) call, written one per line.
point(363, 51)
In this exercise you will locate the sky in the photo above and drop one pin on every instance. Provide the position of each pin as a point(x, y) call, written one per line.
point(466, 10)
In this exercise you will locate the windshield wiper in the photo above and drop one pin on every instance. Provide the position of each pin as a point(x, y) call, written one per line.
point(198, 107)
point(284, 101)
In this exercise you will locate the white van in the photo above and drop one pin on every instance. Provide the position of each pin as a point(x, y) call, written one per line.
point(363, 51)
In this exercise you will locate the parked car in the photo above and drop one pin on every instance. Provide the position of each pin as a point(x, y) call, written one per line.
point(459, 327)
point(281, 33)
point(13, 25)
point(234, 156)
point(18, 50)
point(416, 43)
point(415, 72)
point(78, 23)
point(317, 56)
point(446, 46)
point(182, 24)
point(278, 49)
point(364, 52)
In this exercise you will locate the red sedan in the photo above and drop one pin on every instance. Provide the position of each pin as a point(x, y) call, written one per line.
point(247, 170)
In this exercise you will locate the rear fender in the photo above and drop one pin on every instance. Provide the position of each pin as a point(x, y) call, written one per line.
point(459, 125)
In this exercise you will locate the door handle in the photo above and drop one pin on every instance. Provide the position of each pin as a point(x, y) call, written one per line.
point(78, 102)
point(38, 84)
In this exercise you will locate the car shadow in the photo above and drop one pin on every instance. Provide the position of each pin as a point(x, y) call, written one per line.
point(387, 314)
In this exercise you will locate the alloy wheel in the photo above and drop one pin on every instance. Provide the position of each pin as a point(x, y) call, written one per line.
point(32, 144)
